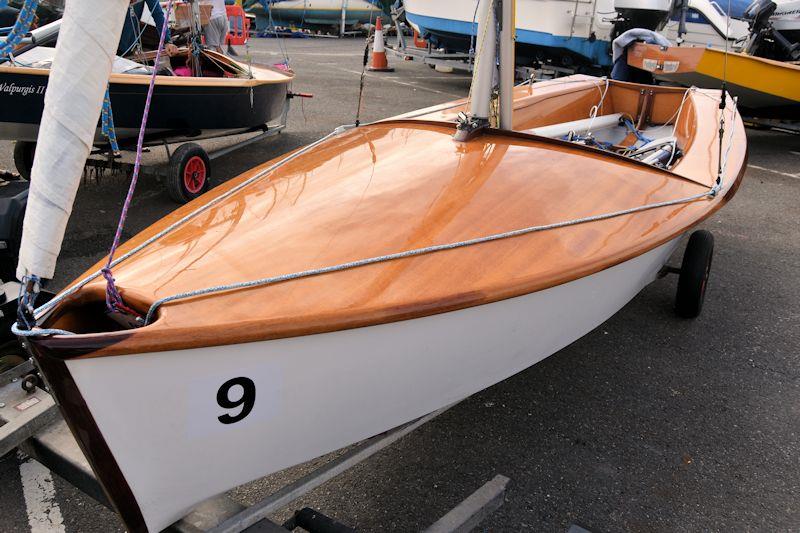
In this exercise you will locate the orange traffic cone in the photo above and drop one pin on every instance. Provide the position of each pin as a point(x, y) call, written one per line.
point(379, 61)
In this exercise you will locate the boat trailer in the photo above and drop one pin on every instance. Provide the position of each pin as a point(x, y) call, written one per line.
point(187, 173)
point(419, 49)
point(31, 422)
point(422, 50)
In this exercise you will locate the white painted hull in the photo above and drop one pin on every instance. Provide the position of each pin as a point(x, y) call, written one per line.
point(325, 11)
point(546, 23)
point(318, 393)
point(547, 16)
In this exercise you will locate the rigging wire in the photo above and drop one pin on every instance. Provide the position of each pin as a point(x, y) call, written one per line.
point(114, 301)
point(281, 44)
point(473, 34)
point(723, 95)
point(370, 37)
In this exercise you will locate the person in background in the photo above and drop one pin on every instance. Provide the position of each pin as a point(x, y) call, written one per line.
point(131, 28)
point(217, 28)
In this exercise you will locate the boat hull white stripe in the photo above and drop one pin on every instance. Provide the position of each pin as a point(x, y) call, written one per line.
point(318, 393)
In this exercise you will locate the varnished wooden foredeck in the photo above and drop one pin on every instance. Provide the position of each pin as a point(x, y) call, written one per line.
point(395, 186)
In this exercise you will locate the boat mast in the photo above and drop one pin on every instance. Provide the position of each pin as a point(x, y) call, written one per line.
point(483, 73)
point(507, 64)
point(490, 13)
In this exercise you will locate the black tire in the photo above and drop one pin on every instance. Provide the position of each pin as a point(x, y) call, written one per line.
point(189, 173)
point(693, 278)
point(23, 157)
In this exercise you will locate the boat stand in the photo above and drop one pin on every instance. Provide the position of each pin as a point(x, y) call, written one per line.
point(31, 422)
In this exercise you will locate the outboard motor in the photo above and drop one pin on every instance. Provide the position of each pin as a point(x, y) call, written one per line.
point(764, 40)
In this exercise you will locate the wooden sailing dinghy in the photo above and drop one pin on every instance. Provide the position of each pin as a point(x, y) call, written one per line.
point(413, 292)
point(324, 361)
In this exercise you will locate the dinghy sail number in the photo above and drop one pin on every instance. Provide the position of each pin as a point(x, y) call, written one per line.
point(246, 401)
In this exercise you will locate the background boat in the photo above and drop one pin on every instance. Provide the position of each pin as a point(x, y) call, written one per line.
point(579, 33)
point(232, 97)
point(575, 32)
point(765, 88)
point(320, 13)
point(707, 23)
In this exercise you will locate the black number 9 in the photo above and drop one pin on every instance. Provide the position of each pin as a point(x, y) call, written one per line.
point(247, 401)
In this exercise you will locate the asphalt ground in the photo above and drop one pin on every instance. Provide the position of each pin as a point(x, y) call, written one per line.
point(648, 423)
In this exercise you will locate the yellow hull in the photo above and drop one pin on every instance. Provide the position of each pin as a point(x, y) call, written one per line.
point(764, 87)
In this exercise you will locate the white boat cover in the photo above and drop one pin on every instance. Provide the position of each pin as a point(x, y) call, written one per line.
point(86, 48)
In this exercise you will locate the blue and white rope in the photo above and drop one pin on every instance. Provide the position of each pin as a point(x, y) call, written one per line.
point(26, 16)
point(107, 119)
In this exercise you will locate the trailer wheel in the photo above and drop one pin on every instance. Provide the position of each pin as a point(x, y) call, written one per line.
point(693, 277)
point(189, 173)
point(23, 157)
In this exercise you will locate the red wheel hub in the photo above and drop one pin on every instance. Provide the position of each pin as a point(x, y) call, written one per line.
point(194, 174)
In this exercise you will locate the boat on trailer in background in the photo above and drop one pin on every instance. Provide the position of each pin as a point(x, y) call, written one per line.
point(765, 88)
point(763, 74)
point(578, 35)
point(319, 297)
point(315, 13)
point(234, 97)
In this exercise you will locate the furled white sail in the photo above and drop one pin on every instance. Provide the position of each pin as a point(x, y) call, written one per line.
point(86, 48)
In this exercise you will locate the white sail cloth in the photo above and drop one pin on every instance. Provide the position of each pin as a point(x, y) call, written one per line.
point(86, 48)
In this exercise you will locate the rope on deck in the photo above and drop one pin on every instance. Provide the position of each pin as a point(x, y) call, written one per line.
point(416, 252)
